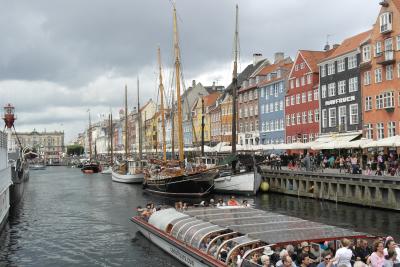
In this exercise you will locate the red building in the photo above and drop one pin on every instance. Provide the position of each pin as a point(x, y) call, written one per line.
point(302, 97)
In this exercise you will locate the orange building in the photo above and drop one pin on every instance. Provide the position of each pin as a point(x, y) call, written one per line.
point(380, 74)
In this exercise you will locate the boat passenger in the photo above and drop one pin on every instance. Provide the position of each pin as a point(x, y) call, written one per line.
point(327, 256)
point(358, 264)
point(223, 252)
point(288, 262)
point(282, 254)
point(305, 260)
point(265, 261)
point(146, 213)
point(292, 254)
point(363, 251)
point(139, 210)
point(221, 203)
point(390, 259)
point(390, 244)
point(212, 204)
point(305, 249)
point(377, 258)
point(344, 254)
point(255, 258)
point(233, 202)
point(185, 206)
point(245, 204)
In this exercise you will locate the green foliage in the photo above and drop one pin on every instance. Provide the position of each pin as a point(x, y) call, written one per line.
point(75, 150)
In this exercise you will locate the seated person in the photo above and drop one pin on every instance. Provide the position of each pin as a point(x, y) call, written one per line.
point(233, 202)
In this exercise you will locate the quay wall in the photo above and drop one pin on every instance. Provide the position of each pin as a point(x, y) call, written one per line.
point(370, 191)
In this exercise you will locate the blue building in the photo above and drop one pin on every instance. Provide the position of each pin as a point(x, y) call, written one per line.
point(272, 91)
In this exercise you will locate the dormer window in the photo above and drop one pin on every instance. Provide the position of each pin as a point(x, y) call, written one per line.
point(386, 22)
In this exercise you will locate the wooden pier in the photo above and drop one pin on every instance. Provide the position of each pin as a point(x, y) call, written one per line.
point(371, 191)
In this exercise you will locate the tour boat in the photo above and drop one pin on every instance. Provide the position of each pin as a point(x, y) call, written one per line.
point(5, 181)
point(199, 236)
point(131, 171)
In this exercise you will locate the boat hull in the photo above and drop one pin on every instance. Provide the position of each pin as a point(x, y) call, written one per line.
point(242, 183)
point(19, 178)
point(195, 185)
point(175, 248)
point(107, 171)
point(5, 181)
point(90, 168)
point(127, 178)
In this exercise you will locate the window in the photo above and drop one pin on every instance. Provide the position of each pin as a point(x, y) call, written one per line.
point(291, 84)
point(391, 128)
point(298, 118)
point(281, 105)
point(389, 49)
point(303, 81)
point(352, 62)
point(281, 124)
point(267, 126)
point(302, 65)
point(255, 110)
point(316, 115)
point(262, 92)
point(266, 108)
point(293, 119)
point(309, 96)
point(331, 68)
point(341, 87)
point(298, 99)
point(380, 130)
point(332, 117)
point(303, 97)
point(262, 109)
point(287, 101)
point(287, 120)
point(398, 42)
point(353, 114)
point(271, 107)
point(323, 91)
point(378, 75)
point(340, 65)
point(366, 53)
point(251, 95)
point(342, 116)
point(251, 111)
point(304, 117)
point(353, 84)
point(368, 103)
point(388, 100)
point(370, 131)
point(276, 106)
point(271, 126)
point(281, 85)
point(240, 113)
point(389, 72)
point(310, 116)
point(309, 78)
point(324, 118)
point(311, 137)
point(305, 138)
point(293, 139)
point(367, 78)
point(378, 48)
point(296, 67)
point(323, 70)
point(386, 22)
point(255, 94)
point(289, 140)
point(245, 112)
point(316, 94)
point(297, 82)
point(292, 100)
point(331, 89)
point(276, 90)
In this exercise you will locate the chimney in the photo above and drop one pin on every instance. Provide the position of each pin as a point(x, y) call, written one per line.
point(279, 56)
point(213, 86)
point(257, 58)
point(335, 46)
point(193, 83)
point(327, 47)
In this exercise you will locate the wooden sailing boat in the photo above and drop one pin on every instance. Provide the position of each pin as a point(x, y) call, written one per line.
point(237, 181)
point(171, 178)
point(129, 171)
point(108, 169)
point(92, 166)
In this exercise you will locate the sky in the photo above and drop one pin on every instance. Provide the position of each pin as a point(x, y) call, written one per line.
point(58, 59)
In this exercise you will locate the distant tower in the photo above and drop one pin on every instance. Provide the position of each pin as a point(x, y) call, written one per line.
point(9, 119)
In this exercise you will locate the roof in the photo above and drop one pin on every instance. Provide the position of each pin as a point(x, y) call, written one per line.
point(210, 99)
point(270, 227)
point(246, 73)
point(313, 57)
point(214, 88)
point(350, 44)
point(283, 66)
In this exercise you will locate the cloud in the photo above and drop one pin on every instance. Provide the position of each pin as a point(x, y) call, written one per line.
point(57, 59)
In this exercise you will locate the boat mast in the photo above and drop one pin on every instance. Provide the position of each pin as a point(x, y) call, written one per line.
point(111, 141)
point(178, 89)
point(90, 137)
point(235, 83)
point(126, 122)
point(139, 122)
point(161, 87)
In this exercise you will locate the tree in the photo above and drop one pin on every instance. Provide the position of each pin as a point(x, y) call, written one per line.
point(75, 150)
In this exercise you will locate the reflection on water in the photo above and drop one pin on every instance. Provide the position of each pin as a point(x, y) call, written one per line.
point(69, 218)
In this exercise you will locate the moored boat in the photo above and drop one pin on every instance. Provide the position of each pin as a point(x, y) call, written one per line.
point(231, 235)
point(91, 167)
point(131, 171)
point(5, 181)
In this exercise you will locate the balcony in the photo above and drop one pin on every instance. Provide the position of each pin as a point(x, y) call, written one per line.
point(365, 65)
point(386, 28)
point(386, 58)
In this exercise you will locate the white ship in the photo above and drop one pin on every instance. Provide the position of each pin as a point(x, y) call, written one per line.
point(5, 180)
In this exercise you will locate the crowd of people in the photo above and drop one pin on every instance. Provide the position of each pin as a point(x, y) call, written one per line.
point(382, 253)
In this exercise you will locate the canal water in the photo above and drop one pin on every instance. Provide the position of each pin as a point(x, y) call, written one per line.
point(71, 219)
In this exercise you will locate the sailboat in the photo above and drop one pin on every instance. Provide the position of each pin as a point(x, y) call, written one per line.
point(239, 181)
point(90, 166)
point(130, 171)
point(170, 178)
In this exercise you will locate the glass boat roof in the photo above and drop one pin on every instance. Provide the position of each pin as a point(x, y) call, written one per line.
point(270, 227)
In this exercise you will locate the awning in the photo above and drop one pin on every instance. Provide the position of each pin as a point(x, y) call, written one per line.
point(393, 141)
point(335, 141)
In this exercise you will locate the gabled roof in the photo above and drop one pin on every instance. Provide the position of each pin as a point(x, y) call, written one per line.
point(271, 68)
point(287, 66)
point(312, 58)
point(350, 44)
point(210, 99)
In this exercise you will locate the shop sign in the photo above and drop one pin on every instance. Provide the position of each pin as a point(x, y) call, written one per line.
point(340, 100)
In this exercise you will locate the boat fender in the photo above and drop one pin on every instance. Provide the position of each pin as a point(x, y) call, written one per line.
point(264, 187)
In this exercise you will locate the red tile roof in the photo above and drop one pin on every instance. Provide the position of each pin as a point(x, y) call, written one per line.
point(313, 57)
point(350, 44)
point(210, 99)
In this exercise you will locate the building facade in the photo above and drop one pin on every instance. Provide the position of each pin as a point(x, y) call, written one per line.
point(272, 90)
point(215, 122)
point(340, 88)
point(302, 98)
point(380, 74)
